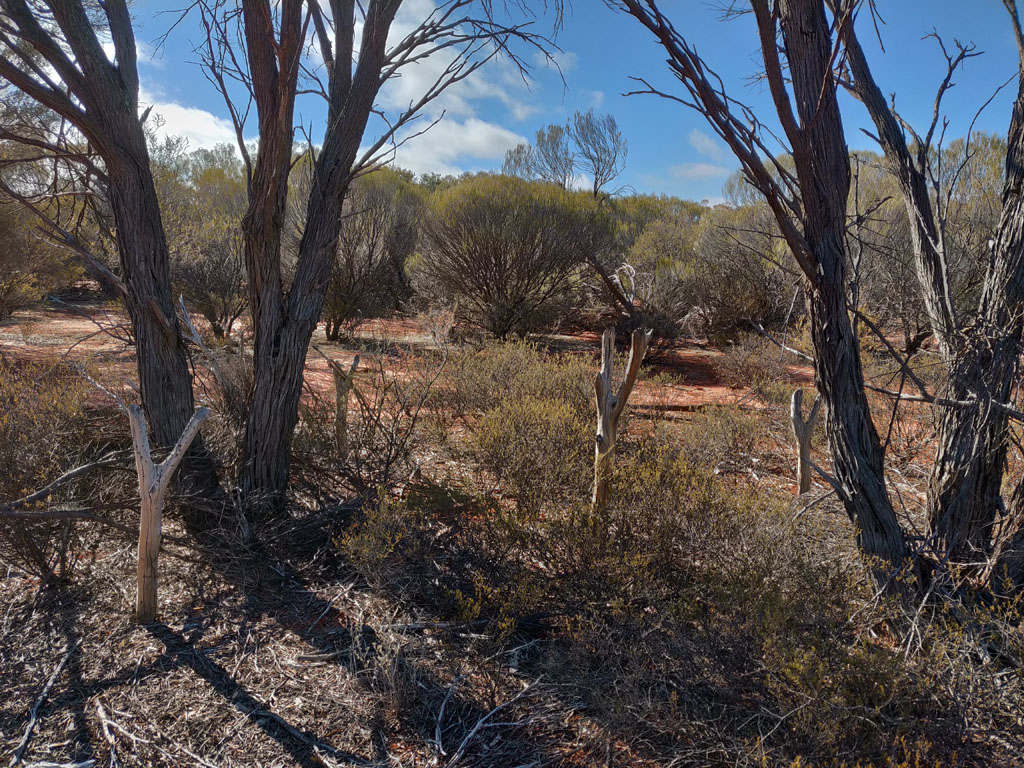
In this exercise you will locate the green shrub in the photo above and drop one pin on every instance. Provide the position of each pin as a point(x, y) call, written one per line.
point(541, 450)
point(508, 252)
point(476, 382)
point(720, 434)
point(29, 267)
point(42, 423)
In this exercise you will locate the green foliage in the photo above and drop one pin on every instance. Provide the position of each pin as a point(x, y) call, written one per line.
point(203, 197)
point(632, 215)
point(539, 449)
point(739, 273)
point(517, 371)
point(29, 267)
point(663, 257)
point(378, 235)
point(529, 418)
point(754, 362)
point(507, 251)
point(42, 421)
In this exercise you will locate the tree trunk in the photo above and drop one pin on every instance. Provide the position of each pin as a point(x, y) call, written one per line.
point(105, 109)
point(965, 484)
point(823, 167)
point(164, 379)
point(284, 323)
point(856, 451)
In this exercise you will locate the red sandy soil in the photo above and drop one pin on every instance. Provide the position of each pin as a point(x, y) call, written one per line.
point(86, 334)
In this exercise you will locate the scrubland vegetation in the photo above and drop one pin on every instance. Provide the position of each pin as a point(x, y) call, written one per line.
point(385, 546)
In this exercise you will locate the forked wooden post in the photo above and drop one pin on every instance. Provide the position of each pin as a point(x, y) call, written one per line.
point(154, 480)
point(803, 430)
point(342, 386)
point(610, 406)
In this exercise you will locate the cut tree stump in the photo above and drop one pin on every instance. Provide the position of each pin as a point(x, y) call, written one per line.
point(154, 479)
point(611, 405)
point(803, 431)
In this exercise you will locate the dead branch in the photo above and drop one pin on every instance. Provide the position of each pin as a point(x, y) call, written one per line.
point(803, 430)
point(154, 479)
point(611, 405)
point(33, 715)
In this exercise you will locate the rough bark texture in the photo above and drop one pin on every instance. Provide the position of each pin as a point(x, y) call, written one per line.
point(810, 208)
point(106, 112)
point(823, 168)
point(284, 321)
point(965, 484)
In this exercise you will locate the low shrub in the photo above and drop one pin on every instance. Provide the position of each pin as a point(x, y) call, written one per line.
point(42, 425)
point(695, 617)
point(476, 382)
point(389, 404)
point(540, 450)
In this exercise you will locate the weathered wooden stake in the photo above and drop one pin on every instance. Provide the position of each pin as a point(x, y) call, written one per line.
point(342, 386)
point(803, 430)
point(154, 479)
point(610, 406)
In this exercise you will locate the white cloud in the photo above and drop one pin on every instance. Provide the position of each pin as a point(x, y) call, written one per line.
point(706, 145)
point(201, 128)
point(696, 171)
point(566, 61)
point(149, 55)
point(451, 143)
point(499, 79)
point(597, 99)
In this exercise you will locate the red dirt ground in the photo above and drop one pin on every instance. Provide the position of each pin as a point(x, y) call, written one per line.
point(86, 334)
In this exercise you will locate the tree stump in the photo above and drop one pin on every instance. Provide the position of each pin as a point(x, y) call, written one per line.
point(611, 405)
point(803, 431)
point(154, 479)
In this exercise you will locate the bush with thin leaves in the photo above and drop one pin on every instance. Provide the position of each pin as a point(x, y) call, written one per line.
point(509, 251)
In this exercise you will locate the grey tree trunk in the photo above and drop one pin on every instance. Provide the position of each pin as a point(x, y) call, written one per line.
point(102, 100)
point(823, 167)
point(284, 321)
point(965, 484)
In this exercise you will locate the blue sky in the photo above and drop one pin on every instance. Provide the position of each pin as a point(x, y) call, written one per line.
point(671, 149)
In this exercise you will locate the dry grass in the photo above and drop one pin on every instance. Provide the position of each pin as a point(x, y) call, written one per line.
point(701, 620)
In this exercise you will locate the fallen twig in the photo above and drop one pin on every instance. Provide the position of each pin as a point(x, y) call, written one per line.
point(33, 715)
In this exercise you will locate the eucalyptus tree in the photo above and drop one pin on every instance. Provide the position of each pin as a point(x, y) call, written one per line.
point(802, 44)
point(345, 52)
point(52, 53)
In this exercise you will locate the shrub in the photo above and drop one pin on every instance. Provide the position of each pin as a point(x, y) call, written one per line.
point(696, 618)
point(738, 275)
point(540, 449)
point(29, 267)
point(508, 250)
point(42, 420)
point(388, 402)
point(529, 416)
point(720, 436)
point(515, 371)
point(664, 262)
point(202, 198)
point(752, 362)
point(378, 235)
point(208, 268)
